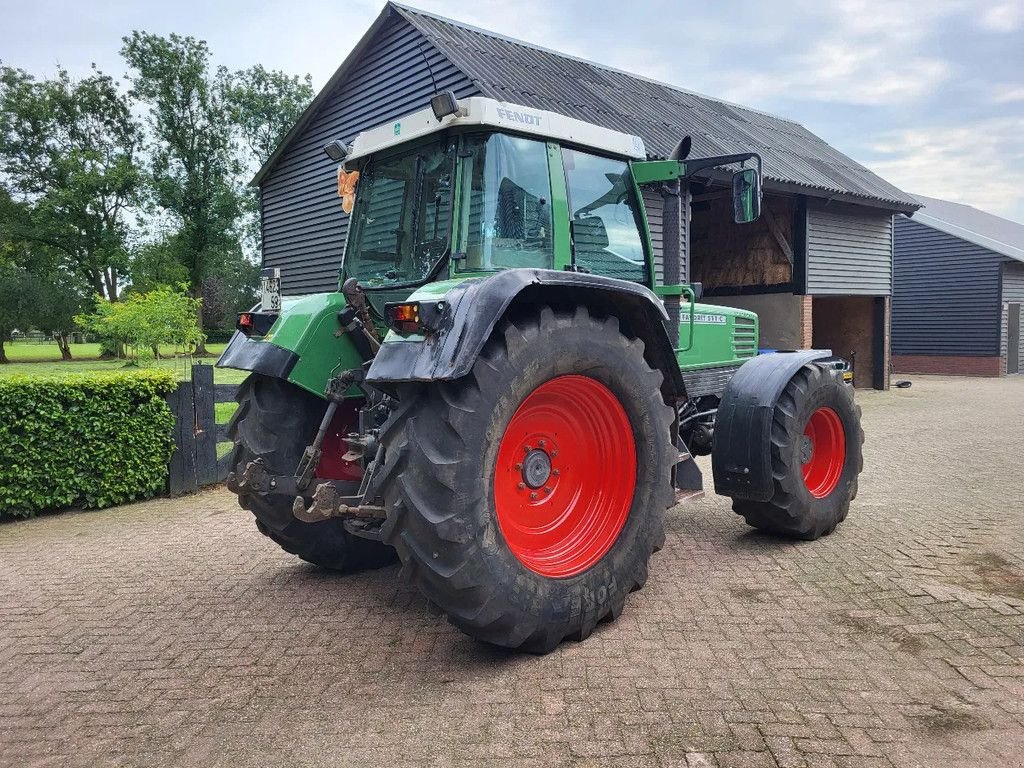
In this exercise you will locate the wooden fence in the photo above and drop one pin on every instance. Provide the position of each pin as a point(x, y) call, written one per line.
point(197, 433)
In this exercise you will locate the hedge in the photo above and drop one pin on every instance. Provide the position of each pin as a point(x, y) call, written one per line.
point(89, 440)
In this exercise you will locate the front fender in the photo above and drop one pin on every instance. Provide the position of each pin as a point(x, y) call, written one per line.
point(474, 306)
point(741, 454)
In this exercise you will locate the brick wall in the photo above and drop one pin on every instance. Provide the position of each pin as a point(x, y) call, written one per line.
point(949, 364)
point(806, 322)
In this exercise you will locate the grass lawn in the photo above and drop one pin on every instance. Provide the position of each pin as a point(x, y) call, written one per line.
point(30, 351)
point(29, 359)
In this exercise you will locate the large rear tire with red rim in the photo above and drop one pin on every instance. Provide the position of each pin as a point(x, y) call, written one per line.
point(525, 499)
point(816, 442)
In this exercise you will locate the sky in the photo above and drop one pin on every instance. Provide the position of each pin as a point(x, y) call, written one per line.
point(929, 94)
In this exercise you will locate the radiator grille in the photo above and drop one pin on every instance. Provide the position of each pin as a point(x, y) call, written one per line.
point(744, 337)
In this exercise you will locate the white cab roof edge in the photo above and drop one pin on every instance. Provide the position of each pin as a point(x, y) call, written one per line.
point(482, 111)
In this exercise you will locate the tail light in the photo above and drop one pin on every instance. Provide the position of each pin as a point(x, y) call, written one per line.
point(404, 317)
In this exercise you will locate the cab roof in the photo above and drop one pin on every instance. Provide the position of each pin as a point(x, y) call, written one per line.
point(480, 111)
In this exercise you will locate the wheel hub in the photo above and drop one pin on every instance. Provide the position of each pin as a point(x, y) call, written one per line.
point(536, 468)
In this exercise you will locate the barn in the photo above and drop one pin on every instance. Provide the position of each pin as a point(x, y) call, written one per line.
point(959, 292)
point(817, 266)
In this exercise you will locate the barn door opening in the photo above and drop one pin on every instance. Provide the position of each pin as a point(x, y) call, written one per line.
point(1013, 338)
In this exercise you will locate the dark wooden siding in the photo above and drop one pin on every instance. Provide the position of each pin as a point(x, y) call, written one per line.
point(849, 250)
point(945, 296)
point(304, 227)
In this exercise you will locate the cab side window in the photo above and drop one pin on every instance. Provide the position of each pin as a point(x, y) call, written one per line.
point(505, 216)
point(605, 223)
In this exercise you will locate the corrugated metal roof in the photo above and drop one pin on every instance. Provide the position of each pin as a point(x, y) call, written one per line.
point(521, 73)
point(992, 232)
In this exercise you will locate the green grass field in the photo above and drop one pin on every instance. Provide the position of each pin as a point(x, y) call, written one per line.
point(30, 359)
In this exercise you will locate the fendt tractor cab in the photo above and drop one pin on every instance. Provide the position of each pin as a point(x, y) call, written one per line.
point(508, 389)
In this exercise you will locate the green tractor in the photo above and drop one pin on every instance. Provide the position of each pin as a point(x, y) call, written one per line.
point(508, 392)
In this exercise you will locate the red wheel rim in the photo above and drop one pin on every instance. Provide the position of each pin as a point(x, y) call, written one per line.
point(565, 476)
point(823, 453)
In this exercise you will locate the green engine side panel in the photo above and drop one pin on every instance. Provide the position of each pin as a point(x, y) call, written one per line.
point(308, 327)
point(721, 336)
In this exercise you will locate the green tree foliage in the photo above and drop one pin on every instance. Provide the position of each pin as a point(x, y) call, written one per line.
point(18, 300)
point(156, 264)
point(193, 163)
point(144, 321)
point(59, 302)
point(231, 288)
point(68, 152)
point(264, 105)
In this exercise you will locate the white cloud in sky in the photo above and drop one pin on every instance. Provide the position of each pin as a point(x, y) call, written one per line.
point(850, 51)
point(1003, 17)
point(966, 163)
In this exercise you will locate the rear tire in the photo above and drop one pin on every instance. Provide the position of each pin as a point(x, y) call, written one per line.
point(816, 450)
point(274, 421)
point(464, 536)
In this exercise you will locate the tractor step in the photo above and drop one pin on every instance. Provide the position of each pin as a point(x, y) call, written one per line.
point(689, 482)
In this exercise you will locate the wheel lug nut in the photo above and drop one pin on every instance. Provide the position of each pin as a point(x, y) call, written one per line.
point(542, 443)
point(527, 448)
point(556, 472)
point(519, 466)
point(521, 486)
point(547, 489)
point(554, 454)
point(533, 496)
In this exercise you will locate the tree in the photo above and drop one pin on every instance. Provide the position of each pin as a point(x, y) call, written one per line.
point(231, 288)
point(17, 300)
point(57, 304)
point(156, 264)
point(264, 105)
point(147, 320)
point(193, 164)
point(67, 149)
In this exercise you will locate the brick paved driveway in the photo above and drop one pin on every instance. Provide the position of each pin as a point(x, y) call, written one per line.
point(171, 633)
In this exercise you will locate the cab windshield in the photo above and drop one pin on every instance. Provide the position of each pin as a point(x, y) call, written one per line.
point(402, 216)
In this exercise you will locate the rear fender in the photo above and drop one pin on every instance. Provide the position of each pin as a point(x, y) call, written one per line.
point(741, 454)
point(473, 308)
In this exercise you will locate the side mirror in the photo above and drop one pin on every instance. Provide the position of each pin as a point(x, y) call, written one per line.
point(746, 196)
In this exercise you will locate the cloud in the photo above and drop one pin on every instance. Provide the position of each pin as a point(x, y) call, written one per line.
point(847, 52)
point(980, 163)
point(1007, 94)
point(1003, 17)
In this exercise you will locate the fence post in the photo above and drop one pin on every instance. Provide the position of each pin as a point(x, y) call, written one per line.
point(181, 477)
point(205, 426)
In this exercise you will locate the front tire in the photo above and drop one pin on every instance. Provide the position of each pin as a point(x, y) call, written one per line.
point(816, 451)
point(525, 499)
point(274, 422)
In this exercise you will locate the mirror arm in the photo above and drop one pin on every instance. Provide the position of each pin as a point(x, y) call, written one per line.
point(703, 163)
